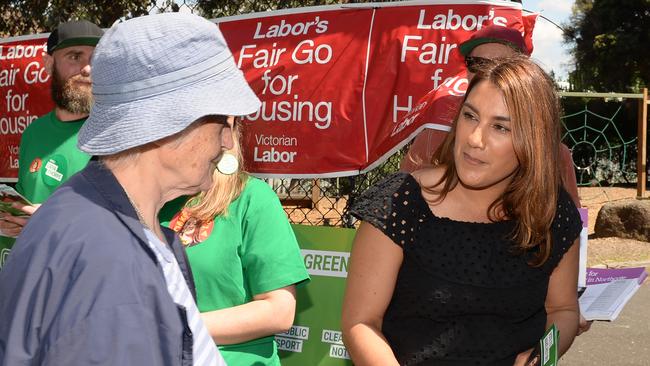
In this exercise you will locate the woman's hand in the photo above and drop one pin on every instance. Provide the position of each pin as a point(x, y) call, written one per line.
point(584, 325)
point(8, 225)
point(11, 225)
point(522, 359)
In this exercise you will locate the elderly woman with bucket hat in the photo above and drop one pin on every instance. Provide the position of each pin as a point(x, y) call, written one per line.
point(93, 278)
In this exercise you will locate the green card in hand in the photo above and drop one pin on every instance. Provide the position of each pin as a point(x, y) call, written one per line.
point(546, 351)
point(549, 346)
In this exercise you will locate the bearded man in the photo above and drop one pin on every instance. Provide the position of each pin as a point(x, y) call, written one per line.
point(48, 151)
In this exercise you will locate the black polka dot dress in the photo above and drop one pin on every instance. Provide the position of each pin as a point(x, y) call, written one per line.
point(462, 296)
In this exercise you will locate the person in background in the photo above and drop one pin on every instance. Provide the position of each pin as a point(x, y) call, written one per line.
point(93, 277)
point(245, 260)
point(48, 153)
point(470, 260)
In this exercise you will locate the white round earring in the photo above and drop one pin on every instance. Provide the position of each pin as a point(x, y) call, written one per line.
point(228, 164)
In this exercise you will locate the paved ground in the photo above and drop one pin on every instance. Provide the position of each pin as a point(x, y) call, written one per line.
point(623, 342)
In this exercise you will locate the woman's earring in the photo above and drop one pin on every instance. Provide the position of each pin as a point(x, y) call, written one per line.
point(228, 164)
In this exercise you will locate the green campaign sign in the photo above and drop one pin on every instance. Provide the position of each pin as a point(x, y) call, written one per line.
point(315, 339)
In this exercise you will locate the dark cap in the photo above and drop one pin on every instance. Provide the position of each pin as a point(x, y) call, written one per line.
point(495, 34)
point(74, 33)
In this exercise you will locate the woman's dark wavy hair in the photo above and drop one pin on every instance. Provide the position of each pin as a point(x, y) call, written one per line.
point(530, 198)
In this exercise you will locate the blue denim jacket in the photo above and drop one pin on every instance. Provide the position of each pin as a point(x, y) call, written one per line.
point(82, 287)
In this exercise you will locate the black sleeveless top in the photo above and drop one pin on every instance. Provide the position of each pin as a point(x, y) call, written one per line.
point(462, 297)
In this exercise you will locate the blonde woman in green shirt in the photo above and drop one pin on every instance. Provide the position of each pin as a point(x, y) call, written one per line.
point(245, 261)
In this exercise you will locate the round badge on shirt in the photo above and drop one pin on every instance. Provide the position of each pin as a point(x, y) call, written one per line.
point(55, 170)
point(190, 230)
point(35, 165)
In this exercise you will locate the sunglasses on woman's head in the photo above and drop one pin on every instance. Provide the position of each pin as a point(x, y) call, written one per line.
point(473, 63)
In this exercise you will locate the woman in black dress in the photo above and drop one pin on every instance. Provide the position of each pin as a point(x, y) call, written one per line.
point(470, 261)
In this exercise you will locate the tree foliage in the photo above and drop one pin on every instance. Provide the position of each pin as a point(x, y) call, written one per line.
point(220, 8)
point(19, 17)
point(610, 40)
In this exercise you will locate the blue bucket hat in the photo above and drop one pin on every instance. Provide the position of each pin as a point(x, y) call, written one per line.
point(154, 75)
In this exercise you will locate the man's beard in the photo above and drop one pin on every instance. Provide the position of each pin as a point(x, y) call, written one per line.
point(69, 95)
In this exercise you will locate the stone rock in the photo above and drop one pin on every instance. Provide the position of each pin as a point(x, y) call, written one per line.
point(629, 218)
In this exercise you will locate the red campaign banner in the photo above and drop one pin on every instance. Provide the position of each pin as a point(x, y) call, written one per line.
point(336, 82)
point(24, 96)
point(308, 70)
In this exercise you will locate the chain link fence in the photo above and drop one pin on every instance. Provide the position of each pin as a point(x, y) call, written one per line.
point(325, 201)
point(175, 6)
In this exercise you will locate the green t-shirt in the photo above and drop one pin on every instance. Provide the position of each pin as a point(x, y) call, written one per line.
point(48, 158)
point(250, 251)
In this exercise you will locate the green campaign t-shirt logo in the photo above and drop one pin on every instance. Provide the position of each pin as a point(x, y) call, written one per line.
point(55, 170)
